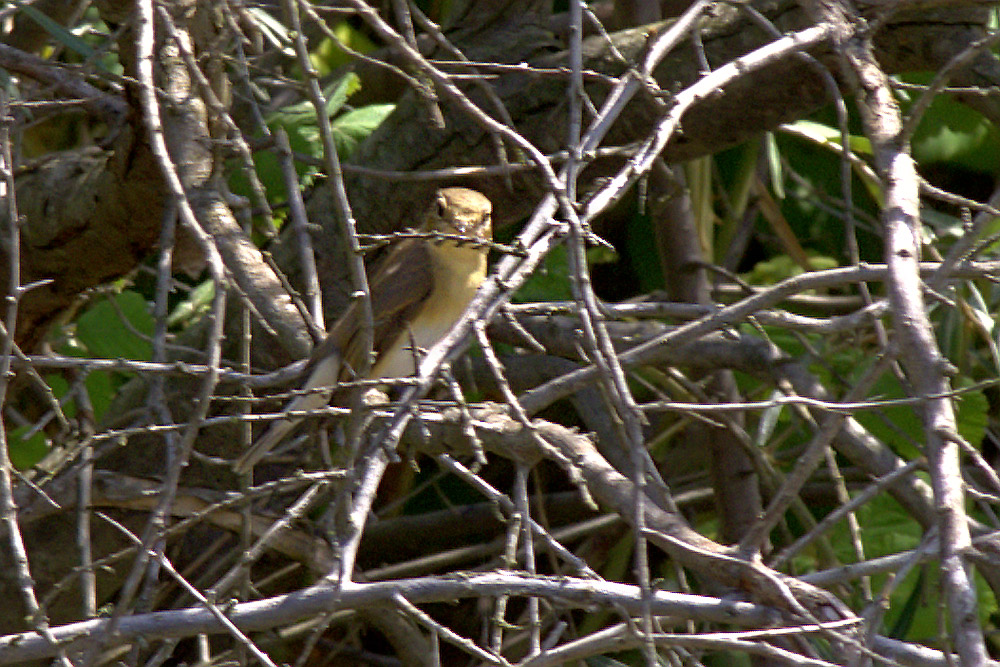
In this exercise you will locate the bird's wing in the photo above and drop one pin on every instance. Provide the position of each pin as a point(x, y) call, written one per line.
point(398, 287)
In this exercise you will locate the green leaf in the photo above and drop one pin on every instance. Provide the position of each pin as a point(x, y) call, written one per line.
point(103, 334)
point(768, 421)
point(26, 453)
point(550, 282)
point(773, 156)
point(330, 55)
point(826, 135)
point(300, 124)
point(971, 414)
point(302, 115)
point(353, 127)
point(899, 425)
point(198, 302)
point(336, 94)
point(101, 391)
point(272, 30)
point(953, 132)
point(780, 267)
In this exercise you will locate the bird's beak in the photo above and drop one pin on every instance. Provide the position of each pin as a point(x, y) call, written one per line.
point(465, 226)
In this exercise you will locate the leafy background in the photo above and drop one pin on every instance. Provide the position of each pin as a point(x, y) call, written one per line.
point(797, 168)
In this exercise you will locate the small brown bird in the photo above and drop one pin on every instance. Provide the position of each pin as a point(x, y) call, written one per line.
point(418, 292)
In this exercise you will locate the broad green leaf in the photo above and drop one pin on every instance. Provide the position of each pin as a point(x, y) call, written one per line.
point(100, 392)
point(103, 334)
point(896, 425)
point(337, 93)
point(952, 132)
point(353, 127)
point(959, 136)
point(303, 114)
point(550, 282)
point(26, 453)
point(329, 55)
point(971, 414)
point(300, 124)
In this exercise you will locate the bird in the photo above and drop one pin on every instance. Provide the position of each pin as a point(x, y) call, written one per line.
point(418, 291)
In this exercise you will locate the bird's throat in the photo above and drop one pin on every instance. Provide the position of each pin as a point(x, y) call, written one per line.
point(462, 263)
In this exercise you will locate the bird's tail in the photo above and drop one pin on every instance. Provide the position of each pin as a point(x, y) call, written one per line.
point(323, 378)
point(274, 434)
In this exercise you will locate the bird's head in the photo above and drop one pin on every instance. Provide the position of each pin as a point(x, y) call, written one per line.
point(460, 211)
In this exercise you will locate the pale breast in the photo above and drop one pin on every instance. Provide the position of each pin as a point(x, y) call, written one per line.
point(455, 286)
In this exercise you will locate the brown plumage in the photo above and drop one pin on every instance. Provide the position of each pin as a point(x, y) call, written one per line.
point(418, 291)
